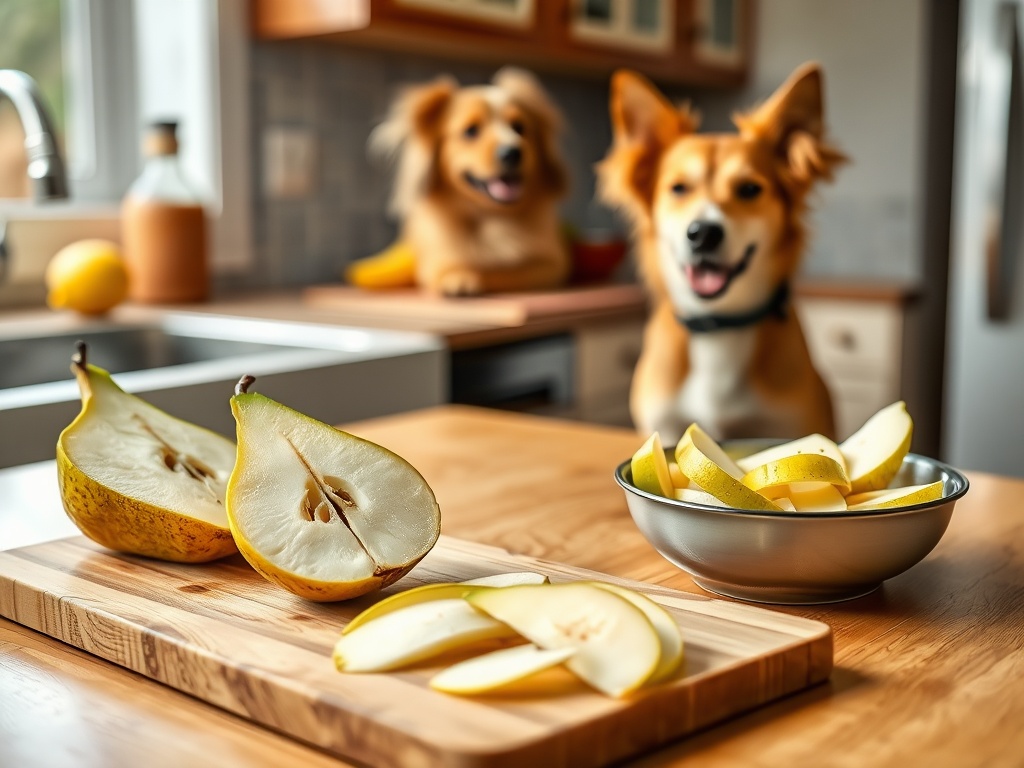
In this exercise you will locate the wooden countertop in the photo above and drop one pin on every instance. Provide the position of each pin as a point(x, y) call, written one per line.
point(927, 669)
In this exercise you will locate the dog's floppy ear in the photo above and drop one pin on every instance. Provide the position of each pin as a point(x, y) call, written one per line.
point(527, 91)
point(644, 124)
point(792, 122)
point(412, 131)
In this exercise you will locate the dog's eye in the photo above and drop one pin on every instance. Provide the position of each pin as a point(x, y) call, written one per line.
point(471, 131)
point(748, 190)
point(679, 188)
point(518, 127)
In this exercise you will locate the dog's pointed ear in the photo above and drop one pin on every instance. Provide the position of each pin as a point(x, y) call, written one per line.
point(792, 122)
point(644, 124)
point(640, 113)
point(527, 91)
point(411, 132)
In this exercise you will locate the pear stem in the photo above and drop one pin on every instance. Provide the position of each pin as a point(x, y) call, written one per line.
point(242, 387)
point(79, 358)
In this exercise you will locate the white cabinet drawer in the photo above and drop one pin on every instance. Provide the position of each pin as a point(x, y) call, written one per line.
point(605, 358)
point(857, 338)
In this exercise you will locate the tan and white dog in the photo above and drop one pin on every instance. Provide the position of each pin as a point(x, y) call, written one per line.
point(719, 221)
point(478, 183)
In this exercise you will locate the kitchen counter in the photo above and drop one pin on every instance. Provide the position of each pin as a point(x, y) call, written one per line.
point(927, 669)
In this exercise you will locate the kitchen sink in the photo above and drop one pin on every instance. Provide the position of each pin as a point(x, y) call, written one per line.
point(187, 364)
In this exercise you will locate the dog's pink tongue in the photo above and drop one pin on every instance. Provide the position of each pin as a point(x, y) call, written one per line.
point(504, 191)
point(704, 281)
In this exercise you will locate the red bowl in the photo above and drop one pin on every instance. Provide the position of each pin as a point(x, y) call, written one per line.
point(595, 261)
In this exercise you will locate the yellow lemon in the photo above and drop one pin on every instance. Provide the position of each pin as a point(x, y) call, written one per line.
point(87, 276)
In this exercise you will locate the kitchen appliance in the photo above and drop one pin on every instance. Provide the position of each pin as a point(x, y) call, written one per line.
point(984, 398)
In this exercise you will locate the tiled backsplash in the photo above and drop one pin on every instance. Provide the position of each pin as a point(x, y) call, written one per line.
point(338, 94)
point(333, 95)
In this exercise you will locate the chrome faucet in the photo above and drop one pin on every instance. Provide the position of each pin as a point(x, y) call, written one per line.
point(45, 166)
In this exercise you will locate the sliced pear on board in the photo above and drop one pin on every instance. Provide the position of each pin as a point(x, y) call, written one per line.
point(703, 461)
point(875, 452)
point(797, 468)
point(811, 444)
point(895, 497)
point(617, 647)
point(668, 631)
point(498, 668)
point(442, 591)
point(415, 633)
point(323, 513)
point(650, 468)
point(136, 479)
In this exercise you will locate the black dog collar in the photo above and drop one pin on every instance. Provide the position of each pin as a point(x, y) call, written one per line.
point(775, 306)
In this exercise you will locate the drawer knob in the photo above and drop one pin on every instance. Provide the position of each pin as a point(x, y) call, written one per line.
point(845, 339)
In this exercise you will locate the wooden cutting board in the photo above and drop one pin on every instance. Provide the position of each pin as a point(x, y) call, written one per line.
point(223, 634)
point(505, 310)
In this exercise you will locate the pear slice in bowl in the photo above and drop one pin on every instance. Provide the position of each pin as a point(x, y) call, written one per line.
point(136, 479)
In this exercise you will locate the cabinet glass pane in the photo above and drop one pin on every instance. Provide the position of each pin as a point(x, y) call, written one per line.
point(723, 14)
point(647, 15)
point(597, 10)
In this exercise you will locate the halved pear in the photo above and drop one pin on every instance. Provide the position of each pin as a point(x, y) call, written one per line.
point(498, 668)
point(895, 497)
point(323, 513)
point(875, 452)
point(617, 647)
point(443, 591)
point(811, 444)
point(809, 497)
point(415, 633)
point(669, 636)
point(703, 461)
point(136, 479)
point(650, 468)
point(797, 468)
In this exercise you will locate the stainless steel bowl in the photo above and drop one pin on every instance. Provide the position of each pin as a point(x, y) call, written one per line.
point(792, 558)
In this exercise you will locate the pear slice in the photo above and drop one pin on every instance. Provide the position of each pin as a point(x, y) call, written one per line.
point(811, 444)
point(136, 479)
point(785, 503)
point(809, 497)
point(703, 461)
point(650, 468)
point(697, 496)
point(895, 497)
point(669, 636)
point(498, 668)
point(443, 591)
point(797, 468)
point(324, 514)
point(415, 633)
point(875, 452)
point(617, 647)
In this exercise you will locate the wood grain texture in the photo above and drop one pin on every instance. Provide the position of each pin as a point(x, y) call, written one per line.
point(507, 309)
point(223, 634)
point(928, 668)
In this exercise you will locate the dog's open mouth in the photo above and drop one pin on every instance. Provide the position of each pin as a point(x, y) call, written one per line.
point(507, 188)
point(709, 279)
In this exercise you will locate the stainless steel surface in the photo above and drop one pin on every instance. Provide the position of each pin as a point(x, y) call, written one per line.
point(798, 558)
point(45, 166)
point(188, 364)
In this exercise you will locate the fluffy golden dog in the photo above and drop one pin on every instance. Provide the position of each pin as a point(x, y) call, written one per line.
point(478, 182)
point(719, 220)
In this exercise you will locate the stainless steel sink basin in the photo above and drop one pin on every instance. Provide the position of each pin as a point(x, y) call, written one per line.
point(188, 363)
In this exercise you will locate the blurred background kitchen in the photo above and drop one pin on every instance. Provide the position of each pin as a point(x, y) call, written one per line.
point(909, 288)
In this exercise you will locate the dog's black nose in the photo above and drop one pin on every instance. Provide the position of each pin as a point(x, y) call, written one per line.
point(704, 236)
point(509, 156)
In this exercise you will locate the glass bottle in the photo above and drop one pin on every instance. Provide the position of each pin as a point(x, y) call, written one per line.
point(164, 227)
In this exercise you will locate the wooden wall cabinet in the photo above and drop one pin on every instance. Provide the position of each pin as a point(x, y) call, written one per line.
point(694, 42)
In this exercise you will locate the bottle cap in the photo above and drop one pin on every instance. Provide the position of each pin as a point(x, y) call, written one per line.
point(161, 138)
